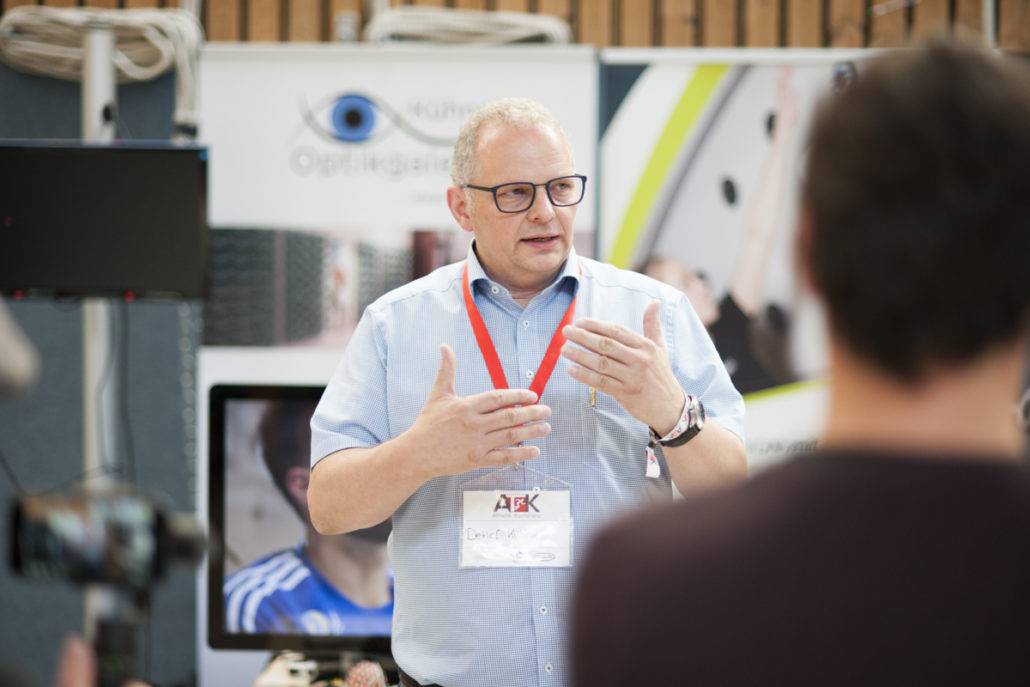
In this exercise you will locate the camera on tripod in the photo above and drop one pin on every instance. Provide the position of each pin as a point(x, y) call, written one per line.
point(114, 540)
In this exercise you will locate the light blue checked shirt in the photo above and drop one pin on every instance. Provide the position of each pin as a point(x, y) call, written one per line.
point(504, 627)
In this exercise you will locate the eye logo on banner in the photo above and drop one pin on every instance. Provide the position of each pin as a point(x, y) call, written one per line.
point(359, 118)
point(360, 128)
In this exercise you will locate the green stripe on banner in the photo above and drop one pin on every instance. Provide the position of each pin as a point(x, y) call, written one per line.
point(684, 116)
point(792, 387)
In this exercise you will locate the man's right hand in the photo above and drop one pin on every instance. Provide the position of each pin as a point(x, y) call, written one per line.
point(359, 487)
point(461, 434)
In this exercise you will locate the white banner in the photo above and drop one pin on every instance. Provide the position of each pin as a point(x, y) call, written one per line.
point(359, 137)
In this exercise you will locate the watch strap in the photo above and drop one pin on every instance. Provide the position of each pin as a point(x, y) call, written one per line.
point(692, 419)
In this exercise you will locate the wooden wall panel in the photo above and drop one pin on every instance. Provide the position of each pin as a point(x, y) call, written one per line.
point(672, 23)
point(804, 22)
point(888, 28)
point(141, 4)
point(761, 23)
point(969, 20)
point(559, 8)
point(1014, 25)
point(594, 22)
point(678, 23)
point(264, 21)
point(304, 20)
point(60, 3)
point(103, 4)
point(9, 4)
point(636, 23)
point(719, 23)
point(511, 5)
point(930, 18)
point(845, 24)
point(222, 20)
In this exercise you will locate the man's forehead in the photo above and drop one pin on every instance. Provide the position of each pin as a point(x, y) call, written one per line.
point(492, 135)
point(494, 130)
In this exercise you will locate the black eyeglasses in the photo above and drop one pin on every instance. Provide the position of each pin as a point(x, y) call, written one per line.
point(518, 196)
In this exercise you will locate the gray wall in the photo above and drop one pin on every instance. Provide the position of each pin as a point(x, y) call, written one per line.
point(41, 431)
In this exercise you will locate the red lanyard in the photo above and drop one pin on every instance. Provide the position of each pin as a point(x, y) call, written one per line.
point(486, 344)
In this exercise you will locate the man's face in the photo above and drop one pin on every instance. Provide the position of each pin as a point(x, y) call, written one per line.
point(524, 250)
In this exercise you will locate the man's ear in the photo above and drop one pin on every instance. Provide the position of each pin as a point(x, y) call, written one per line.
point(457, 201)
point(297, 479)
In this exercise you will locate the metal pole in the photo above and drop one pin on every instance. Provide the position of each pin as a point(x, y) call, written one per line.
point(100, 374)
point(990, 24)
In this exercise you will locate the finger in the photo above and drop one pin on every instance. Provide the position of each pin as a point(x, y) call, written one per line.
point(509, 455)
point(603, 365)
point(653, 323)
point(600, 344)
point(623, 335)
point(514, 416)
point(491, 401)
point(603, 383)
point(443, 385)
point(513, 436)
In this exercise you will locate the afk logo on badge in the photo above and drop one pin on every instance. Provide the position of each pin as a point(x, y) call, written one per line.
point(517, 503)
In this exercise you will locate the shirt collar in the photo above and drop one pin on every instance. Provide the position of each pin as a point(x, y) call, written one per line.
point(570, 270)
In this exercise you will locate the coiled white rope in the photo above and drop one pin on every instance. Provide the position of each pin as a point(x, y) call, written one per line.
point(445, 25)
point(148, 42)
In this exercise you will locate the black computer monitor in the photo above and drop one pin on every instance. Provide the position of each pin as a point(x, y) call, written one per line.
point(103, 220)
point(242, 419)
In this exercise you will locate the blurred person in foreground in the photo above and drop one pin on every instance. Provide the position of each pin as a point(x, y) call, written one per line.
point(616, 393)
point(897, 553)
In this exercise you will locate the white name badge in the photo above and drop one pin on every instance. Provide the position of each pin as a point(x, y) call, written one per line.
point(516, 528)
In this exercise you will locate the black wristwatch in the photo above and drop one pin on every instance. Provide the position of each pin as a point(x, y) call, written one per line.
point(691, 421)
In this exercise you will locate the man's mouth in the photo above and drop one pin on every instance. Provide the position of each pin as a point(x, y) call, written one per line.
point(540, 239)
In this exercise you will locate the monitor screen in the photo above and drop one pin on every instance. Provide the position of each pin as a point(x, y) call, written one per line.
point(107, 220)
point(274, 583)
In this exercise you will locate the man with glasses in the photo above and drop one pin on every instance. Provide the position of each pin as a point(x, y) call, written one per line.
point(502, 408)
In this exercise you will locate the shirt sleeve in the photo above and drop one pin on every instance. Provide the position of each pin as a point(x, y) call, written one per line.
point(352, 412)
point(698, 366)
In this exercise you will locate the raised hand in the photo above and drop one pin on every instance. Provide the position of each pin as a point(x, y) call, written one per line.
point(465, 433)
point(632, 368)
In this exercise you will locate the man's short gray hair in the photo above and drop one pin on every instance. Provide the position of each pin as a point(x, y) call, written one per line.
point(515, 112)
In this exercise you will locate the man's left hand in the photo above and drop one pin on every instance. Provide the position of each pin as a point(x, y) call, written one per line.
point(631, 368)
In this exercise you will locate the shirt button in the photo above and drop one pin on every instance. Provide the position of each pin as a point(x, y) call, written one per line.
point(494, 290)
point(529, 374)
point(549, 668)
point(543, 610)
point(526, 324)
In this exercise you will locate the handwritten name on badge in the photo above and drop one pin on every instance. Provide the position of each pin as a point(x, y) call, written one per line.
point(516, 528)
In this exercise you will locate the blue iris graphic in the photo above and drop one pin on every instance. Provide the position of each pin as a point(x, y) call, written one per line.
point(353, 118)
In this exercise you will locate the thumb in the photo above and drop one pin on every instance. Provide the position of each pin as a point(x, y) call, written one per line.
point(443, 385)
point(652, 323)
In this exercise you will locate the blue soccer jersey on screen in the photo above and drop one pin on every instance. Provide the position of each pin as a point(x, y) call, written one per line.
point(284, 593)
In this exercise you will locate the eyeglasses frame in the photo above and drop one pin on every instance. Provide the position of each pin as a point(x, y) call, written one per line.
point(532, 199)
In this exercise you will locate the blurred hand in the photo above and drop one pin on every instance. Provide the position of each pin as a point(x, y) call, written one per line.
point(77, 665)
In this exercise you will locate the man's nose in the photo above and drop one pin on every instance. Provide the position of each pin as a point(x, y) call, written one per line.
point(541, 207)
